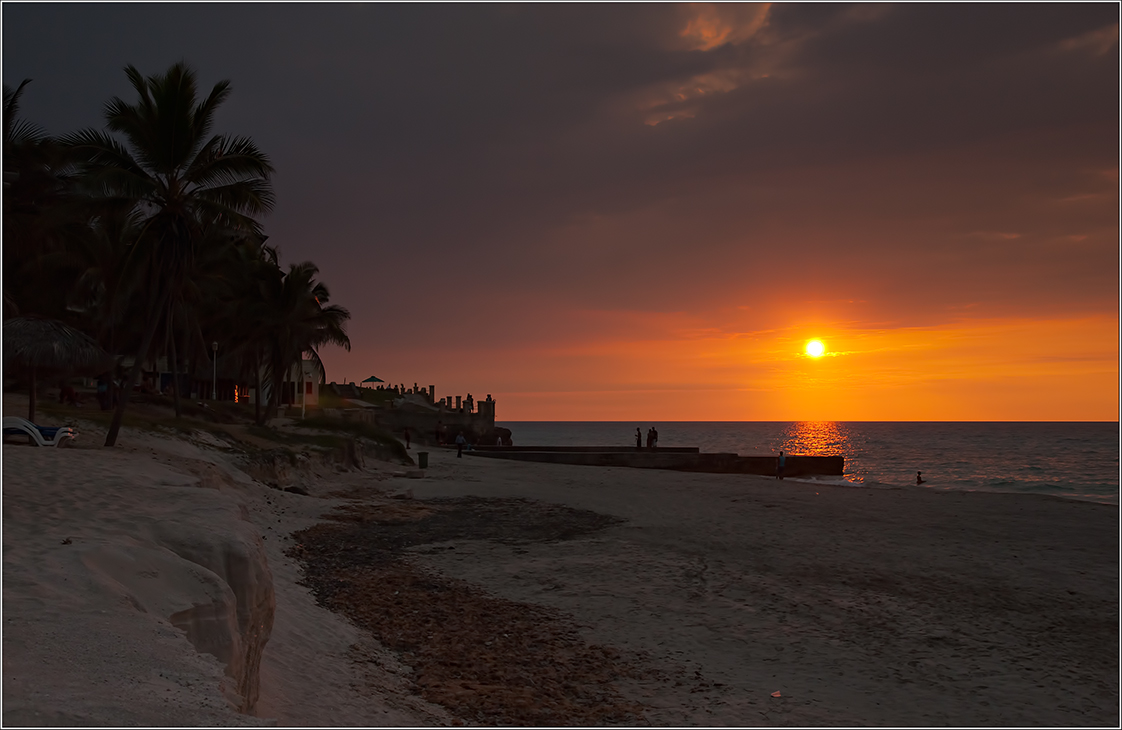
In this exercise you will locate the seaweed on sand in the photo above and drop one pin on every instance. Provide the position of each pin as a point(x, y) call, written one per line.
point(487, 659)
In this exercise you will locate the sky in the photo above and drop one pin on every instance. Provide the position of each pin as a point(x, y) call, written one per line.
point(644, 212)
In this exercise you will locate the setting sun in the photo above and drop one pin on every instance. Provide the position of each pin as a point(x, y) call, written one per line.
point(815, 348)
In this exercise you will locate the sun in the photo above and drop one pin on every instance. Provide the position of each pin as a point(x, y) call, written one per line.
point(815, 348)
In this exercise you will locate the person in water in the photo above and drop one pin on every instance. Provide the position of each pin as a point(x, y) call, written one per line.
point(919, 478)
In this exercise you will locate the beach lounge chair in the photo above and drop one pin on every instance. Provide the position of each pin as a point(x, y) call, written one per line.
point(39, 435)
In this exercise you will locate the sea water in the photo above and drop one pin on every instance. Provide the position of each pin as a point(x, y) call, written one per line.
point(1078, 460)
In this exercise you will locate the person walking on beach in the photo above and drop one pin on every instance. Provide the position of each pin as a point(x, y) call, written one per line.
point(407, 437)
point(779, 464)
point(460, 441)
point(638, 438)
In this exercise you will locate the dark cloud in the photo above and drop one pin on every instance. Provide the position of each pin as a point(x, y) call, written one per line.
point(502, 151)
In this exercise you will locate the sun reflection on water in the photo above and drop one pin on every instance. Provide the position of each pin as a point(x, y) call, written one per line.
point(817, 438)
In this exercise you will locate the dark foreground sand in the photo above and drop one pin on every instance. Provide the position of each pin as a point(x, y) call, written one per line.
point(545, 594)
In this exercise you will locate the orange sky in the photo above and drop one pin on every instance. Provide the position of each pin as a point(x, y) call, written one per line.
point(1004, 369)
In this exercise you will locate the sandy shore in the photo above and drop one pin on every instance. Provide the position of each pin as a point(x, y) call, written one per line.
point(703, 596)
point(95, 567)
point(861, 607)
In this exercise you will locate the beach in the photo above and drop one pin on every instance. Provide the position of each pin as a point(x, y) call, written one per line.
point(646, 596)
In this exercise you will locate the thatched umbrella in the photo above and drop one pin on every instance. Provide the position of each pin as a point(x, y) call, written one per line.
point(47, 344)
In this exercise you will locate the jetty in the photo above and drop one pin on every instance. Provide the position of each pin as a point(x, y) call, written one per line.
point(680, 458)
point(433, 421)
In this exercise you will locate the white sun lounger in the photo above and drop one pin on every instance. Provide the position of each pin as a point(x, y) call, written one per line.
point(39, 435)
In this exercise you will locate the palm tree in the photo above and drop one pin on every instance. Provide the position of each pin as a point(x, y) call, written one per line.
point(104, 281)
point(298, 319)
point(40, 213)
point(222, 300)
point(244, 313)
point(180, 178)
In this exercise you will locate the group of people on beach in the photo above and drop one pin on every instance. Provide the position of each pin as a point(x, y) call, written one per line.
point(652, 438)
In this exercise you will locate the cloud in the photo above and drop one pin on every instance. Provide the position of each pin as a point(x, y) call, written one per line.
point(711, 25)
point(1099, 41)
point(994, 236)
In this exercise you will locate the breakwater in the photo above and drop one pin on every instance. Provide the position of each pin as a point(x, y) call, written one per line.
point(676, 458)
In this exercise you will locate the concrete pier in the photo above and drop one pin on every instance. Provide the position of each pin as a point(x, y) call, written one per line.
point(676, 458)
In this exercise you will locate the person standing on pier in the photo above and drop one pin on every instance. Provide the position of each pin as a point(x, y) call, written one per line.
point(654, 437)
point(779, 464)
point(638, 438)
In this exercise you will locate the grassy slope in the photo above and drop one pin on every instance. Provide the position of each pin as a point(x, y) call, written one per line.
point(235, 420)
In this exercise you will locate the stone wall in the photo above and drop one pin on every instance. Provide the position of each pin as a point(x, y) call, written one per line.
point(678, 458)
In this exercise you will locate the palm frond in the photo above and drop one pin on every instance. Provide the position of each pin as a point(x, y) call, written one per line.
point(246, 197)
point(18, 131)
point(203, 117)
point(226, 159)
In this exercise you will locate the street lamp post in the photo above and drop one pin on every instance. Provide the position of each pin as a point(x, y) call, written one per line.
point(214, 381)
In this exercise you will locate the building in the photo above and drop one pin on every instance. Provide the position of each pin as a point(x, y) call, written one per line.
point(226, 385)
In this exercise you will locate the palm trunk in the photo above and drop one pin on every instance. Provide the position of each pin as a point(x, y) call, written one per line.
point(141, 356)
point(275, 396)
point(257, 392)
point(279, 373)
point(174, 367)
point(31, 398)
point(186, 362)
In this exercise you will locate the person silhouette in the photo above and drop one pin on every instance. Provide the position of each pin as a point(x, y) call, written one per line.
point(460, 441)
point(638, 438)
point(919, 478)
point(779, 464)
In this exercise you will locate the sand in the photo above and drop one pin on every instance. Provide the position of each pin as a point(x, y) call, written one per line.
point(703, 596)
point(82, 647)
point(861, 607)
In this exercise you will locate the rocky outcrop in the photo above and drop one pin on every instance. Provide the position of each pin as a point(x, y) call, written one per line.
point(235, 626)
point(208, 577)
point(276, 467)
point(283, 467)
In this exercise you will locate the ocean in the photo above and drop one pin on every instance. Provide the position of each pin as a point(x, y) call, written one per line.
point(1077, 460)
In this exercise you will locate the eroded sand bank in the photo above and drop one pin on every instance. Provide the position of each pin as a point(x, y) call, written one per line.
point(860, 607)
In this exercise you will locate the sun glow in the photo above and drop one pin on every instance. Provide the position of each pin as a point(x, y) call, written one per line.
point(815, 348)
